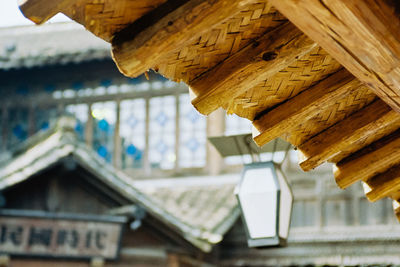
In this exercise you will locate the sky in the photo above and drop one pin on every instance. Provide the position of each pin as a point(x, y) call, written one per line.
point(10, 15)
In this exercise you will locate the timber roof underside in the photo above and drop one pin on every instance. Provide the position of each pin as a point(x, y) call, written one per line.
point(323, 75)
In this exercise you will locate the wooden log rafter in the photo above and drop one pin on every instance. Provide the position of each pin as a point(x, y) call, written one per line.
point(363, 35)
point(344, 134)
point(396, 208)
point(386, 184)
point(369, 161)
point(285, 117)
point(253, 64)
point(39, 11)
point(137, 49)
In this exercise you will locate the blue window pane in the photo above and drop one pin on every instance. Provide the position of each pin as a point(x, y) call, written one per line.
point(50, 88)
point(23, 90)
point(1, 130)
point(193, 116)
point(162, 119)
point(192, 144)
point(135, 153)
point(132, 132)
point(103, 125)
point(77, 85)
point(106, 82)
point(43, 117)
point(44, 126)
point(102, 151)
point(131, 150)
point(19, 132)
point(132, 122)
point(162, 147)
point(80, 112)
point(17, 126)
point(79, 128)
point(104, 116)
point(162, 134)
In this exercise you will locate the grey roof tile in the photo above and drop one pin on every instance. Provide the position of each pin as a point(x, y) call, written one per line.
point(50, 44)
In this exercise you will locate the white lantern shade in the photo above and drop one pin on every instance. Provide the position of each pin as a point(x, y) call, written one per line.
point(266, 201)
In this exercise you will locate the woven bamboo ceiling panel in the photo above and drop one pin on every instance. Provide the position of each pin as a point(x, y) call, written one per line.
point(324, 75)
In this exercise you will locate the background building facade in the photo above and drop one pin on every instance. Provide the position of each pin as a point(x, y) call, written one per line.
point(149, 129)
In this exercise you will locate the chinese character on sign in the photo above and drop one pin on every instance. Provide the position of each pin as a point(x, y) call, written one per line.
point(40, 236)
point(95, 239)
point(68, 238)
point(11, 233)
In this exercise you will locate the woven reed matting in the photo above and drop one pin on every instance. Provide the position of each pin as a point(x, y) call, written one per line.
point(330, 115)
point(363, 142)
point(106, 17)
point(310, 69)
point(220, 42)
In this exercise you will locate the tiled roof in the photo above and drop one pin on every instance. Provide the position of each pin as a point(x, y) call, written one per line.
point(57, 43)
point(204, 203)
point(200, 212)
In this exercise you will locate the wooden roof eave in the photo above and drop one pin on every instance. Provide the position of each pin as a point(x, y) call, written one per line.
point(231, 53)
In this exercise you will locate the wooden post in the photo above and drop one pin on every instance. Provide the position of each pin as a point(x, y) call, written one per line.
point(319, 192)
point(177, 131)
point(31, 120)
point(146, 159)
point(60, 109)
point(173, 260)
point(117, 138)
point(215, 127)
point(97, 262)
point(4, 127)
point(4, 260)
point(89, 127)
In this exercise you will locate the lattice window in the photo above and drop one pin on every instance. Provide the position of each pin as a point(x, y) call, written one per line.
point(149, 114)
point(304, 213)
point(162, 132)
point(80, 111)
point(18, 126)
point(104, 115)
point(43, 118)
point(2, 128)
point(337, 212)
point(192, 138)
point(133, 132)
point(375, 213)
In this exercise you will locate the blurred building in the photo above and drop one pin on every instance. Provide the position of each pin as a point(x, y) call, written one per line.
point(147, 128)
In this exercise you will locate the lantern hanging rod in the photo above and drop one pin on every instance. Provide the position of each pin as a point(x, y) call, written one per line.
point(240, 145)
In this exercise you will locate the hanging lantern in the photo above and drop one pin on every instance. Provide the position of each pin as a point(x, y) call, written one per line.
point(265, 200)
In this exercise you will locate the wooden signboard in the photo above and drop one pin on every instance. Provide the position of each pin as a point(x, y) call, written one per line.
point(35, 233)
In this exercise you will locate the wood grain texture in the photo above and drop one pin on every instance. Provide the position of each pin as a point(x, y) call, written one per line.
point(253, 64)
point(363, 35)
point(396, 208)
point(103, 18)
point(220, 42)
point(304, 106)
point(370, 161)
point(385, 184)
point(140, 52)
point(345, 133)
point(305, 72)
point(330, 114)
point(39, 11)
